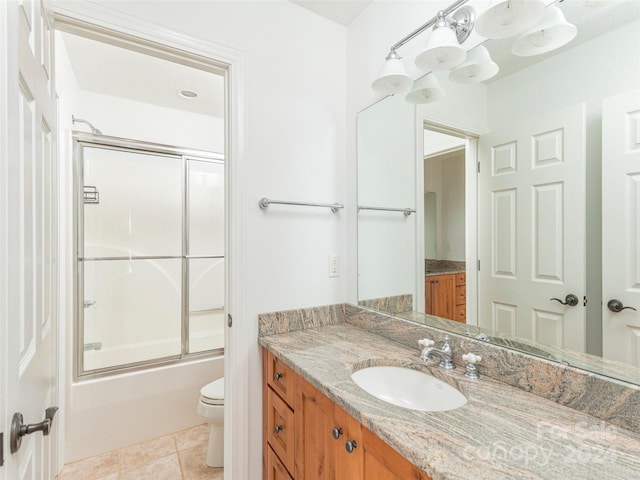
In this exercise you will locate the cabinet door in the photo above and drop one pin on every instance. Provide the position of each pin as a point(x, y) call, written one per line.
point(315, 446)
point(440, 295)
point(281, 426)
point(280, 378)
point(381, 462)
point(275, 468)
point(348, 457)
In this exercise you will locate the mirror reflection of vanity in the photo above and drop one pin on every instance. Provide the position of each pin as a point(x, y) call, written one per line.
point(559, 244)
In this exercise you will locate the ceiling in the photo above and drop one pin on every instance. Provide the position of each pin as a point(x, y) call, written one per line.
point(340, 11)
point(119, 72)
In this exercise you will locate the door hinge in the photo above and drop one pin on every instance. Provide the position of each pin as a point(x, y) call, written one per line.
point(229, 320)
point(1, 449)
point(478, 265)
point(478, 167)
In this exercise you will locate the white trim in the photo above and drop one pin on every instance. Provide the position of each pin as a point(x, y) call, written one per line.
point(471, 228)
point(4, 229)
point(452, 122)
point(419, 302)
point(236, 338)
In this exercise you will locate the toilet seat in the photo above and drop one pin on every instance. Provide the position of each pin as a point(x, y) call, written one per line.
point(213, 393)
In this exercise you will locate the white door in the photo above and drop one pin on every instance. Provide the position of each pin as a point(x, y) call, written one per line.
point(28, 282)
point(621, 227)
point(531, 228)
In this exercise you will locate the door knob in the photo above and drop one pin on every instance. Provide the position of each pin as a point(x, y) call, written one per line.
point(570, 300)
point(616, 306)
point(19, 429)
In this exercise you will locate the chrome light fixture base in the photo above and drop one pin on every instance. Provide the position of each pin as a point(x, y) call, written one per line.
point(463, 20)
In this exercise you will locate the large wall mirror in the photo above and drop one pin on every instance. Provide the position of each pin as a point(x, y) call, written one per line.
point(509, 210)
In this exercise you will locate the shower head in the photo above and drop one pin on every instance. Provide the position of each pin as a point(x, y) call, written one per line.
point(79, 120)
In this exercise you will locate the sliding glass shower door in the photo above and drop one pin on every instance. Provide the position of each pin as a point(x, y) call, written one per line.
point(150, 254)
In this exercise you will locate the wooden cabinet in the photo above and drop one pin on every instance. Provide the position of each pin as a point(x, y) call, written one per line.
point(439, 295)
point(383, 463)
point(275, 468)
point(278, 424)
point(327, 442)
point(322, 432)
point(460, 313)
point(445, 296)
point(349, 462)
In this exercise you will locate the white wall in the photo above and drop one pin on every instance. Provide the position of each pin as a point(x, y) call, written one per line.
point(294, 150)
point(387, 259)
point(445, 176)
point(118, 117)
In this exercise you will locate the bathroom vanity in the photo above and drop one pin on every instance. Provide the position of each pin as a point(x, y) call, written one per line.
point(319, 424)
point(306, 433)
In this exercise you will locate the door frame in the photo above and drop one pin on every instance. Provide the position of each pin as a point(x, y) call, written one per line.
point(471, 131)
point(5, 26)
point(237, 347)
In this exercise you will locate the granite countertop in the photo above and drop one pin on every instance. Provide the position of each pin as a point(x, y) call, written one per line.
point(501, 433)
point(442, 271)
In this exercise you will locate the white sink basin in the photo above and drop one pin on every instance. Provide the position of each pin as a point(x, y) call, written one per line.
point(409, 388)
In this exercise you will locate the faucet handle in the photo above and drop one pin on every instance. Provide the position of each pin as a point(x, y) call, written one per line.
point(471, 371)
point(471, 358)
point(425, 342)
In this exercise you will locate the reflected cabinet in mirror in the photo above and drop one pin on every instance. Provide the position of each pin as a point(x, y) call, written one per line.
point(509, 210)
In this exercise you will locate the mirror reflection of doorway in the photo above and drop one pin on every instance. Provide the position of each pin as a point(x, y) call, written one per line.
point(444, 224)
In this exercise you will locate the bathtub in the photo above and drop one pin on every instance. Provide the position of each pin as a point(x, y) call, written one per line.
point(112, 412)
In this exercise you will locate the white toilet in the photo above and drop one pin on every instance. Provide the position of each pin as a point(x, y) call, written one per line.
point(211, 406)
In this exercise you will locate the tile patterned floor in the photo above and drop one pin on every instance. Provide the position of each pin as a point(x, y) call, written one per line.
point(174, 457)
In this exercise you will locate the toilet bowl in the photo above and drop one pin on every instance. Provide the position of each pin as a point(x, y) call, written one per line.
point(211, 406)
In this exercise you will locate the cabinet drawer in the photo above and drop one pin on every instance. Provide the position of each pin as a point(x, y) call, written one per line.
point(275, 468)
point(461, 313)
point(461, 278)
point(280, 378)
point(280, 428)
point(461, 294)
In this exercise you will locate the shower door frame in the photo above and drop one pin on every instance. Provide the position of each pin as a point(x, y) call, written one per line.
point(81, 140)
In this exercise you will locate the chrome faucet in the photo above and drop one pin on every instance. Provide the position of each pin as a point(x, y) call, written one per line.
point(445, 353)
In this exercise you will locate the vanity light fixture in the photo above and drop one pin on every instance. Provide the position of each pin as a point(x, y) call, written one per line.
point(393, 78)
point(426, 90)
point(478, 67)
point(443, 50)
point(551, 33)
point(546, 29)
point(507, 18)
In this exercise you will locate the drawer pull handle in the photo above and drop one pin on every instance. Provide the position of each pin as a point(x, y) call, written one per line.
point(350, 446)
point(277, 429)
point(277, 376)
point(336, 432)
